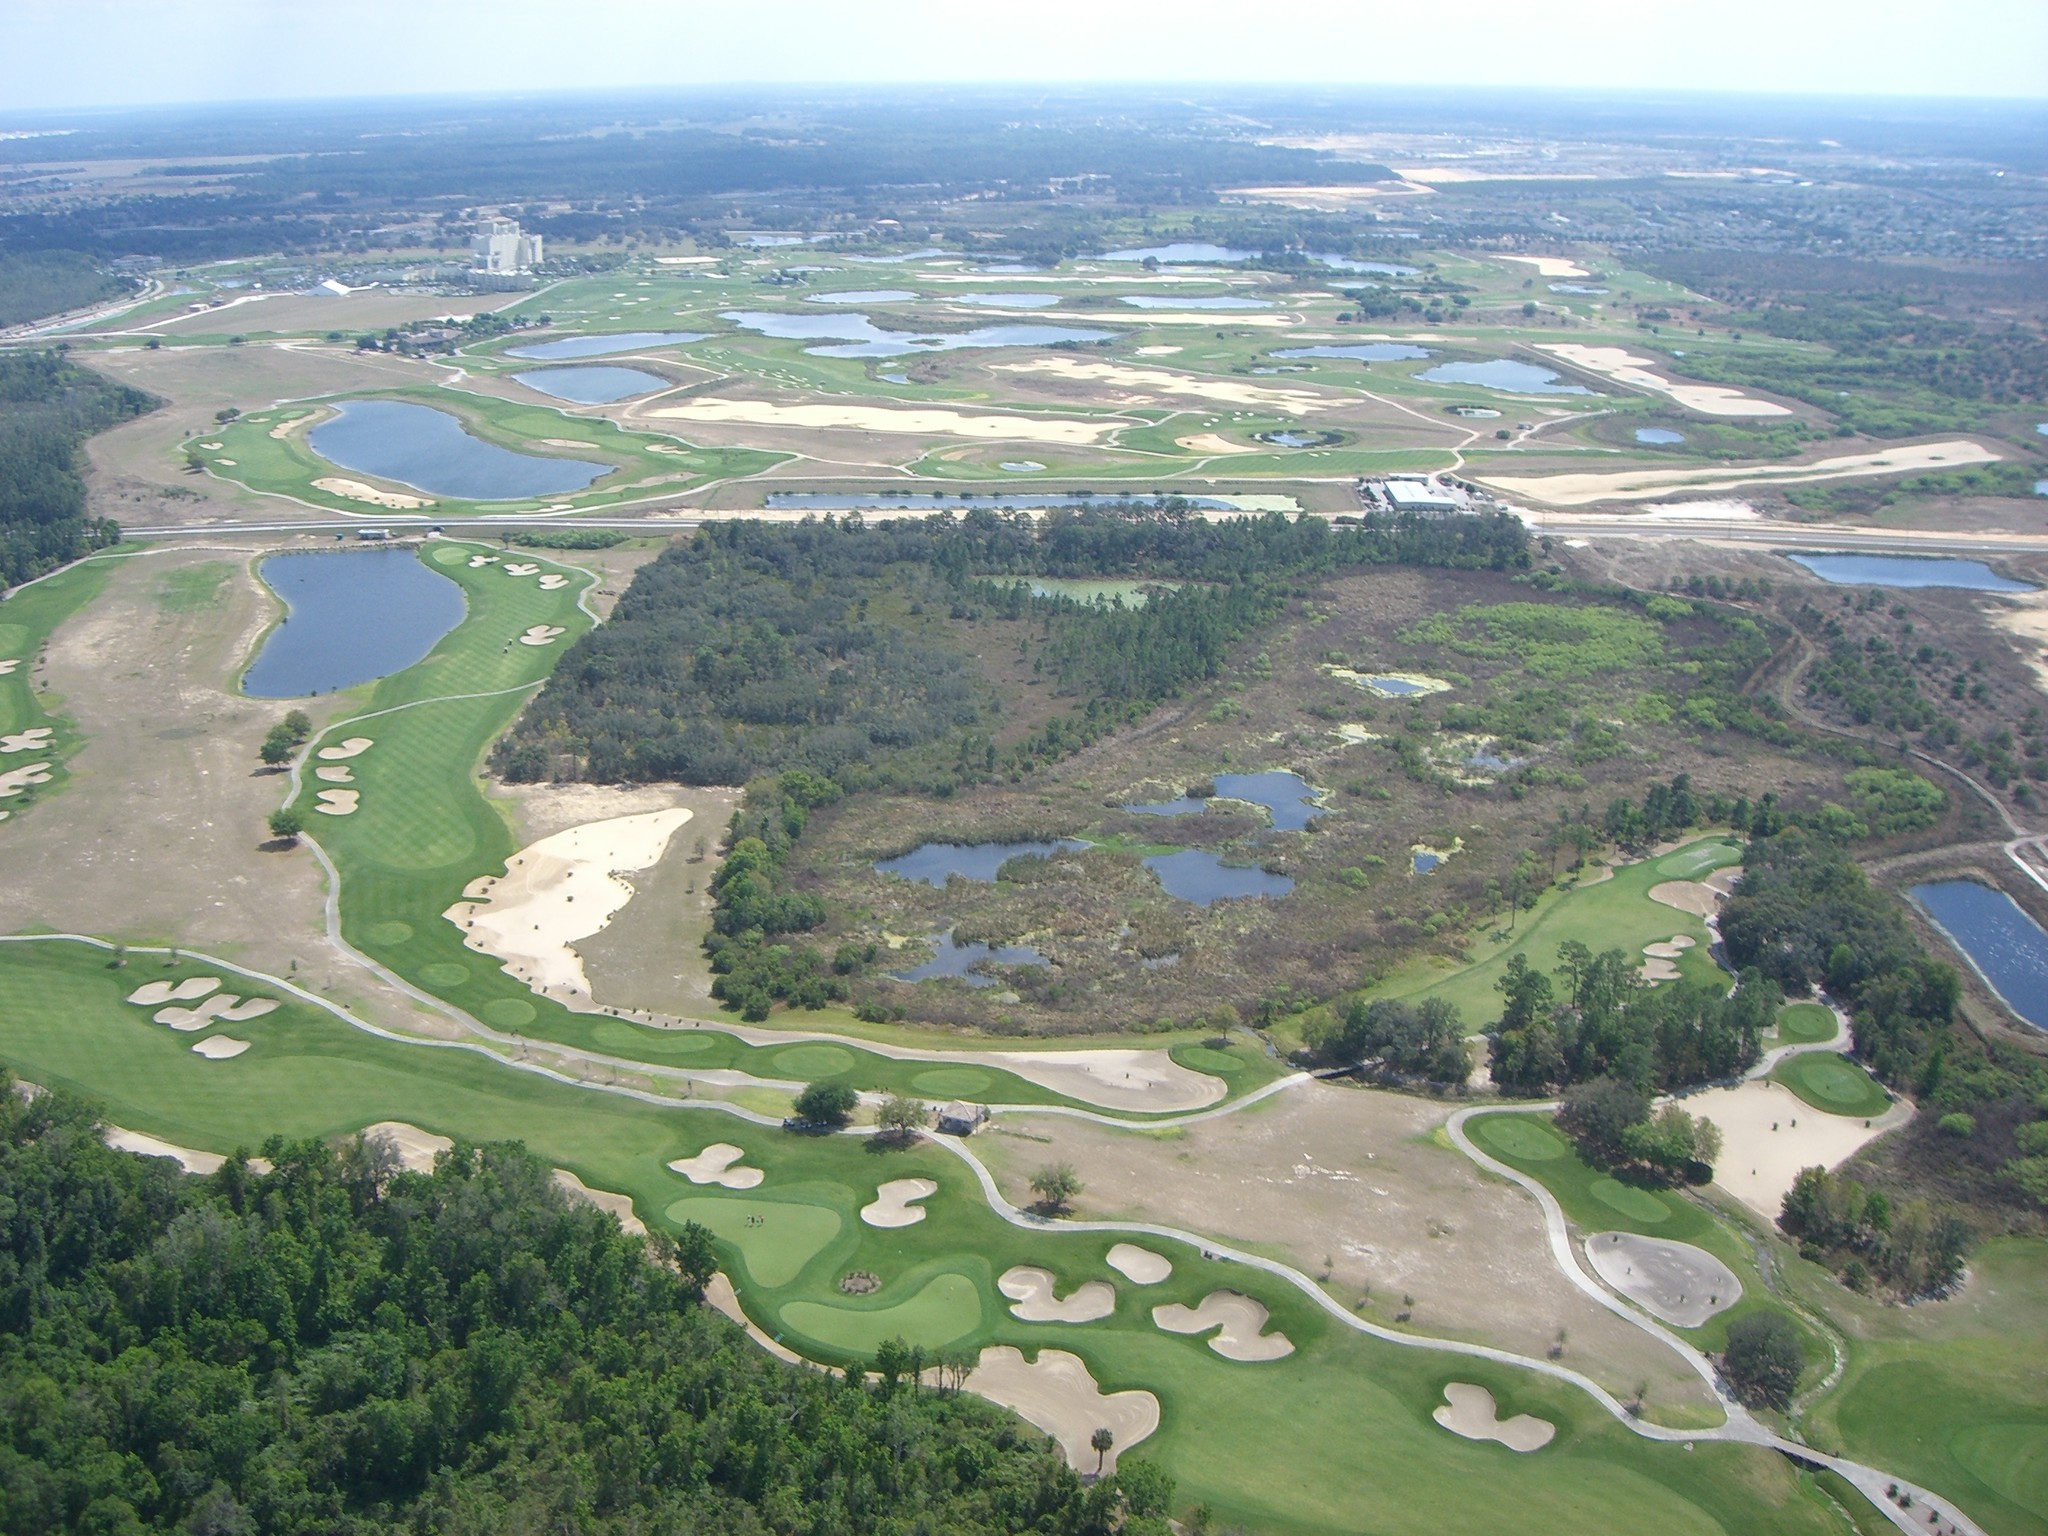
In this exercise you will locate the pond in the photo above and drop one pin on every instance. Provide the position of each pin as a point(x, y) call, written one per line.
point(1383, 268)
point(1292, 439)
point(860, 337)
point(1020, 466)
point(1168, 301)
point(592, 386)
point(1424, 861)
point(1289, 799)
point(891, 261)
point(862, 296)
point(934, 863)
point(349, 618)
point(1006, 300)
point(1907, 571)
point(1363, 351)
point(605, 346)
point(2005, 945)
point(1197, 251)
point(1198, 876)
point(420, 446)
point(1504, 374)
point(1132, 594)
point(1658, 435)
point(958, 960)
point(1575, 288)
point(999, 501)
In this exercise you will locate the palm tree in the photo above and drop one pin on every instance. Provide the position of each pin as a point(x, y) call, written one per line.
point(1100, 1443)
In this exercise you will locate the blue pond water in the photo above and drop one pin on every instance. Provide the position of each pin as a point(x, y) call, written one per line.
point(1196, 875)
point(1504, 374)
point(1400, 687)
point(860, 337)
point(1197, 251)
point(2008, 948)
point(350, 618)
point(1288, 798)
point(1575, 288)
point(592, 386)
point(933, 863)
point(1292, 439)
point(1364, 351)
point(1658, 435)
point(1384, 268)
point(862, 296)
point(999, 501)
point(2042, 428)
point(1425, 861)
point(1157, 301)
point(420, 446)
point(2041, 487)
point(1020, 466)
point(890, 261)
point(605, 346)
point(958, 960)
point(1906, 571)
point(1007, 300)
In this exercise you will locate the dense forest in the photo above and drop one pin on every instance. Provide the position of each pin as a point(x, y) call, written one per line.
point(48, 407)
point(53, 282)
point(339, 1346)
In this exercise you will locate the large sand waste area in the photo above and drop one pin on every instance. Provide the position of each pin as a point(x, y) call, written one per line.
point(1624, 367)
point(416, 1148)
point(870, 418)
point(620, 1206)
point(1768, 1134)
point(1137, 1080)
point(1058, 1394)
point(1136, 382)
point(1577, 490)
point(355, 490)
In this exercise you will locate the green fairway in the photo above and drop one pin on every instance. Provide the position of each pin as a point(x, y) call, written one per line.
point(27, 620)
point(948, 1307)
point(1832, 1083)
point(1805, 1024)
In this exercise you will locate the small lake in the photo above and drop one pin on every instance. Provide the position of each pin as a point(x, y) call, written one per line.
point(1292, 439)
point(1196, 251)
point(1020, 466)
point(958, 960)
point(1201, 877)
point(999, 501)
point(1658, 435)
point(1155, 301)
point(1288, 798)
point(350, 618)
point(1006, 300)
point(2007, 947)
point(1397, 687)
point(1384, 268)
point(1906, 571)
point(420, 446)
point(1423, 861)
point(891, 261)
point(863, 296)
point(858, 336)
point(935, 863)
point(592, 386)
point(605, 346)
point(1132, 594)
point(1363, 351)
point(1575, 288)
point(1504, 374)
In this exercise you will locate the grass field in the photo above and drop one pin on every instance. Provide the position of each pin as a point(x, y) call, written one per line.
point(1805, 1024)
point(27, 619)
point(1833, 1084)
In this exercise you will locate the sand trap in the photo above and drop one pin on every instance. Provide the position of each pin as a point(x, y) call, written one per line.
point(923, 422)
point(1677, 1282)
point(552, 582)
point(1059, 1395)
point(620, 1206)
point(721, 1297)
point(355, 490)
point(1657, 969)
point(1671, 948)
point(224, 1006)
point(341, 775)
point(1768, 1135)
point(1114, 1079)
point(213, 447)
point(1136, 381)
point(1624, 367)
point(1157, 351)
point(1688, 896)
point(416, 1148)
point(1239, 1323)
point(1470, 1411)
point(1140, 1266)
point(1547, 266)
point(718, 1164)
point(1213, 442)
point(894, 1203)
point(1723, 881)
point(1037, 1299)
point(230, 463)
point(219, 1048)
point(338, 802)
point(34, 739)
point(149, 1146)
point(355, 746)
point(15, 780)
point(478, 562)
point(521, 569)
point(7, 667)
point(542, 634)
point(558, 890)
point(154, 994)
point(1576, 490)
point(284, 429)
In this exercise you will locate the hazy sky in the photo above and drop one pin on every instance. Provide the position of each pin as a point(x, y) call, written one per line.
point(66, 53)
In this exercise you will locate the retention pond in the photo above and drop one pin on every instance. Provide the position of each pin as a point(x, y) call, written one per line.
point(349, 618)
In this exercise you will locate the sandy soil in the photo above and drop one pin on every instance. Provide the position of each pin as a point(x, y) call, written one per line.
point(869, 418)
point(1145, 385)
point(356, 490)
point(1546, 266)
point(1470, 1411)
point(1240, 1325)
point(354, 746)
point(1768, 1135)
point(219, 1048)
point(1624, 367)
point(149, 1146)
point(1140, 1080)
point(719, 1163)
point(416, 1148)
point(154, 994)
point(620, 1206)
point(1692, 896)
point(1140, 1266)
point(1677, 1282)
point(1036, 1297)
point(895, 1204)
point(529, 917)
point(1576, 490)
point(1059, 1395)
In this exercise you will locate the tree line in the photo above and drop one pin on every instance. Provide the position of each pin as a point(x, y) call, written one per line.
point(48, 407)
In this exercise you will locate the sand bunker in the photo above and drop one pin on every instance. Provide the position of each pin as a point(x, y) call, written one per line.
point(416, 1148)
point(1656, 969)
point(230, 463)
point(895, 1205)
point(154, 994)
point(219, 1048)
point(620, 1206)
point(338, 802)
point(1624, 367)
point(222, 1006)
point(542, 634)
point(213, 447)
point(1213, 442)
point(1688, 896)
point(1037, 1299)
point(149, 1146)
point(1157, 351)
point(553, 582)
point(1470, 1411)
point(8, 666)
point(1671, 948)
point(722, 1298)
point(355, 490)
point(15, 780)
point(521, 569)
point(1239, 1323)
point(1136, 381)
point(1140, 1266)
point(1676, 1282)
point(926, 422)
point(1577, 490)
point(1143, 1080)
point(1768, 1135)
point(355, 746)
point(1057, 1394)
point(285, 428)
point(718, 1163)
point(34, 739)
point(558, 890)
point(1546, 266)
point(342, 775)
point(478, 562)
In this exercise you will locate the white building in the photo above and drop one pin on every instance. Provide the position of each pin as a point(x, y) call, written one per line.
point(1422, 496)
point(500, 248)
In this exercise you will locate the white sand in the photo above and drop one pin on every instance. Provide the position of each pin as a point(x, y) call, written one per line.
point(154, 994)
point(1546, 266)
point(718, 1163)
point(1680, 1284)
point(1136, 382)
point(1157, 351)
point(1671, 948)
point(923, 422)
point(720, 1294)
point(223, 1006)
point(34, 739)
point(620, 1206)
point(542, 634)
point(558, 890)
point(1576, 490)
point(230, 463)
point(477, 562)
point(338, 802)
point(894, 1203)
point(284, 429)
point(553, 582)
point(355, 746)
point(355, 490)
point(1657, 969)
point(213, 447)
point(1470, 1411)
point(1213, 442)
point(1687, 896)
point(1140, 1266)
point(149, 1146)
point(416, 1148)
point(1768, 1135)
point(1141, 1080)
point(15, 780)
point(335, 775)
point(522, 568)
point(1036, 1297)
point(1624, 367)
point(1239, 1322)
point(1059, 1395)
point(219, 1048)
point(8, 666)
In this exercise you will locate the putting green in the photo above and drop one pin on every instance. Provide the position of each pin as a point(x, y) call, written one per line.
point(1521, 1136)
point(509, 1012)
point(1833, 1084)
point(776, 1238)
point(1202, 1059)
point(1636, 1204)
point(1805, 1024)
point(948, 1308)
point(450, 554)
point(387, 933)
point(2010, 1458)
point(810, 1062)
point(1698, 859)
point(953, 1082)
point(444, 973)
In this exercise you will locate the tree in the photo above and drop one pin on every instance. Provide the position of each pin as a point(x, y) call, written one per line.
point(1764, 1359)
point(826, 1104)
point(901, 1117)
point(286, 823)
point(276, 750)
point(1600, 1115)
point(1056, 1185)
point(1101, 1443)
